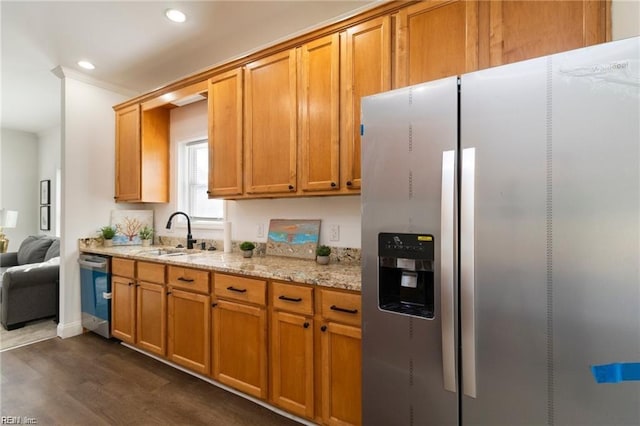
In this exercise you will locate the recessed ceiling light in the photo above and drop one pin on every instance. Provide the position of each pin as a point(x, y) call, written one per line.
point(175, 15)
point(86, 65)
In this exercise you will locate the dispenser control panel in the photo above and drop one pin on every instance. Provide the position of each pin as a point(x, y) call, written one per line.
point(411, 246)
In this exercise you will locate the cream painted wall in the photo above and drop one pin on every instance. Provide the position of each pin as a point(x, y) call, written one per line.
point(49, 150)
point(88, 134)
point(189, 123)
point(19, 183)
point(625, 19)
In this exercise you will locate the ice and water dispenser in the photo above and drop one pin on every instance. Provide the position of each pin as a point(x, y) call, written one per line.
point(405, 274)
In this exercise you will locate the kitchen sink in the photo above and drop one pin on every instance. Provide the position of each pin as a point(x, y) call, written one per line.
point(166, 252)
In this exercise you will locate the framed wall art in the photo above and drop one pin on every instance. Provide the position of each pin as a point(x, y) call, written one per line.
point(44, 218)
point(45, 192)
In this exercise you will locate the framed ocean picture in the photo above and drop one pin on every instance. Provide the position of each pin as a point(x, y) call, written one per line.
point(293, 238)
point(128, 224)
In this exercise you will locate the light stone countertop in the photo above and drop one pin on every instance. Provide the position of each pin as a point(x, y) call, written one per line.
point(342, 275)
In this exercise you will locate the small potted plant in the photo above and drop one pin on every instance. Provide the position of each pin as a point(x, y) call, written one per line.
point(247, 248)
point(146, 235)
point(322, 255)
point(107, 233)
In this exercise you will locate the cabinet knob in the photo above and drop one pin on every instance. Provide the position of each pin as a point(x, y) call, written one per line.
point(305, 325)
point(208, 192)
point(168, 293)
point(323, 328)
point(349, 183)
point(130, 284)
point(213, 305)
point(333, 184)
point(291, 188)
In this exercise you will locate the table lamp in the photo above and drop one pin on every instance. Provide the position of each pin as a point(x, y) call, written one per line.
point(8, 219)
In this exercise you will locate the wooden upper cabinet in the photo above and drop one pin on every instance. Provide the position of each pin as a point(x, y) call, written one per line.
point(527, 29)
point(320, 114)
point(225, 134)
point(435, 39)
point(128, 154)
point(142, 155)
point(366, 71)
point(271, 124)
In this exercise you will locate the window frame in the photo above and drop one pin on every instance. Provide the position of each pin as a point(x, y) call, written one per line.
point(184, 174)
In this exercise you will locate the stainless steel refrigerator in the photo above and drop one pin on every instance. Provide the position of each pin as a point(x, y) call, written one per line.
point(501, 244)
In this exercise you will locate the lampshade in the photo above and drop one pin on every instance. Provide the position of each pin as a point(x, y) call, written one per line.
point(8, 218)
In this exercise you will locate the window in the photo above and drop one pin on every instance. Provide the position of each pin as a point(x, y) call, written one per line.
point(193, 180)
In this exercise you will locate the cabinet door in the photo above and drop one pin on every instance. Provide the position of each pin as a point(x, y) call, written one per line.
point(154, 152)
point(225, 134)
point(240, 347)
point(319, 109)
point(271, 124)
point(189, 333)
point(151, 317)
point(123, 308)
point(435, 40)
point(367, 70)
point(128, 157)
point(292, 363)
point(527, 29)
point(342, 374)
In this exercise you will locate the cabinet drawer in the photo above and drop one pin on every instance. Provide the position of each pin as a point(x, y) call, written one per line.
point(151, 272)
point(292, 298)
point(241, 289)
point(341, 307)
point(123, 267)
point(188, 279)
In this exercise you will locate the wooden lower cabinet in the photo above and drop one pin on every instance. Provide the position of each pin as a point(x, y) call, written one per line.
point(123, 309)
point(188, 330)
point(341, 374)
point(291, 363)
point(151, 317)
point(240, 346)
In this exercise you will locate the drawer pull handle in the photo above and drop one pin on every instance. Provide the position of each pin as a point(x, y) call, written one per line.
point(237, 290)
point(290, 299)
point(339, 309)
point(186, 280)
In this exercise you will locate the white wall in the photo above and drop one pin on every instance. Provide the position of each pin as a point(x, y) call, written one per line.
point(20, 187)
point(49, 151)
point(189, 123)
point(625, 19)
point(88, 158)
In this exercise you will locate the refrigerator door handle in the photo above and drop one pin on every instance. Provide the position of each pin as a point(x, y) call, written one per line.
point(447, 235)
point(467, 271)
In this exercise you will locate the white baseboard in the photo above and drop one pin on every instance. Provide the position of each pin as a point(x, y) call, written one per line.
point(70, 329)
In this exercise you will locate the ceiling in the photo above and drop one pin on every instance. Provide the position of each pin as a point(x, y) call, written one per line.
point(133, 45)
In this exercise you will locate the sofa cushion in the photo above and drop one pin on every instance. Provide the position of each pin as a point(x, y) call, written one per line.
point(33, 249)
point(53, 251)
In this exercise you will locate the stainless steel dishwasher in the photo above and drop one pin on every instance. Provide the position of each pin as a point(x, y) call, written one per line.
point(95, 290)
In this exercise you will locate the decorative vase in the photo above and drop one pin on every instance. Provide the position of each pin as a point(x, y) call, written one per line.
point(107, 243)
point(146, 243)
point(247, 253)
point(322, 260)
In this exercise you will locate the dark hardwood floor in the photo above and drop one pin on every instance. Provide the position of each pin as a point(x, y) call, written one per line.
point(88, 380)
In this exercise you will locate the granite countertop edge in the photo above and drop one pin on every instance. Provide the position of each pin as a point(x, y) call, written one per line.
point(339, 275)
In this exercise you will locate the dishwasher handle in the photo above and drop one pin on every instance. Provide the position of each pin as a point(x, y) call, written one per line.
point(94, 263)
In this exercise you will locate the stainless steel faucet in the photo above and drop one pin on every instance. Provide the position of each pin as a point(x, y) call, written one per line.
point(190, 239)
